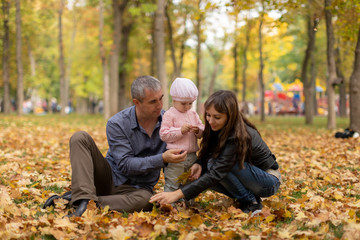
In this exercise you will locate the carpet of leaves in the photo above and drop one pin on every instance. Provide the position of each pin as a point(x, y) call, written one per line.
point(319, 197)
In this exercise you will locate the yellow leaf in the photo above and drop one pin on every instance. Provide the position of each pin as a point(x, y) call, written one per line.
point(270, 218)
point(106, 209)
point(287, 214)
point(183, 215)
point(195, 220)
point(300, 216)
point(154, 212)
point(231, 234)
point(327, 178)
point(183, 178)
point(351, 213)
point(225, 216)
point(338, 195)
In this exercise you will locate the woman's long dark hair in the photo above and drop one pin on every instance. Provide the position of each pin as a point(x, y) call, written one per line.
point(226, 102)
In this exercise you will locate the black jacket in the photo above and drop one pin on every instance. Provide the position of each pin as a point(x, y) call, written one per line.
point(261, 157)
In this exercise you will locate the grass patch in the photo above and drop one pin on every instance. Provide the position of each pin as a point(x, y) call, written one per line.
point(54, 188)
point(337, 230)
point(297, 194)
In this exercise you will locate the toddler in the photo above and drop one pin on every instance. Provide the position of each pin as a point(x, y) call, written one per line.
point(180, 129)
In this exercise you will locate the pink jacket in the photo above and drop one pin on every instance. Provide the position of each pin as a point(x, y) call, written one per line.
point(170, 131)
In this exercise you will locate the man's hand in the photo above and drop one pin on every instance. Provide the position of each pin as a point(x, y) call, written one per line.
point(167, 197)
point(195, 171)
point(174, 156)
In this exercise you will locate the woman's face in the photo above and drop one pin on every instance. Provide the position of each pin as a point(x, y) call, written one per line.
point(215, 119)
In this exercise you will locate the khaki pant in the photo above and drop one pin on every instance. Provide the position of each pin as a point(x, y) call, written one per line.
point(174, 170)
point(92, 179)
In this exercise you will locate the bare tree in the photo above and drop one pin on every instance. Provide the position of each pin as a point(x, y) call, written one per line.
point(20, 81)
point(331, 66)
point(5, 56)
point(160, 49)
point(104, 62)
point(355, 90)
point(63, 100)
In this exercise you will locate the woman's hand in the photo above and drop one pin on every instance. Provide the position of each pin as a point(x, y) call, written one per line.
point(195, 171)
point(167, 197)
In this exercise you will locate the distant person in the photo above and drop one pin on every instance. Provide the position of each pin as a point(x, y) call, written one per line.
point(54, 105)
point(347, 133)
point(233, 158)
point(125, 178)
point(101, 106)
point(180, 129)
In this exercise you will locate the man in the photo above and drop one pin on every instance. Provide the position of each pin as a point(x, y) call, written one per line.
point(125, 178)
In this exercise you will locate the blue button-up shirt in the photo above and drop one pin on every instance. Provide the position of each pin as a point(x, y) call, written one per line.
point(134, 157)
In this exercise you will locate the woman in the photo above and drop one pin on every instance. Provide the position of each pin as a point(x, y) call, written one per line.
point(233, 158)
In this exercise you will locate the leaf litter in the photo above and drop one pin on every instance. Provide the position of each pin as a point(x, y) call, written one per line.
point(319, 197)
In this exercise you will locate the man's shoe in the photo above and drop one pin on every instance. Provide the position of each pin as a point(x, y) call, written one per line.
point(81, 208)
point(67, 196)
point(50, 201)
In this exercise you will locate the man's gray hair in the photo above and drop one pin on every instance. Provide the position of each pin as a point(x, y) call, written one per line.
point(144, 82)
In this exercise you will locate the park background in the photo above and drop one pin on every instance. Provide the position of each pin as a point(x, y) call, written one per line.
point(68, 66)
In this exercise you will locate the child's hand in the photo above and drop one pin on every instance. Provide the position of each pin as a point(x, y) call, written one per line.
point(185, 128)
point(195, 129)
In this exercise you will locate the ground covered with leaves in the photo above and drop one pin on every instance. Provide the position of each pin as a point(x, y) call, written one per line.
point(319, 197)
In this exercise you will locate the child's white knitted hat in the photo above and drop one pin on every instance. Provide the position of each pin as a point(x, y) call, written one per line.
point(183, 90)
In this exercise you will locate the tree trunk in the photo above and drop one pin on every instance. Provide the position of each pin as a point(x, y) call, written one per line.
point(31, 60)
point(308, 85)
point(216, 59)
point(198, 61)
point(182, 48)
point(5, 57)
point(153, 48)
point(82, 106)
point(331, 67)
point(355, 90)
point(171, 43)
point(20, 81)
point(104, 63)
point(313, 81)
point(245, 63)
point(341, 81)
point(235, 51)
point(160, 50)
point(114, 59)
point(125, 34)
point(63, 100)
point(70, 56)
point(260, 77)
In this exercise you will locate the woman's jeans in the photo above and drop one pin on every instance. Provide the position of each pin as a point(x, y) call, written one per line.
point(248, 184)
